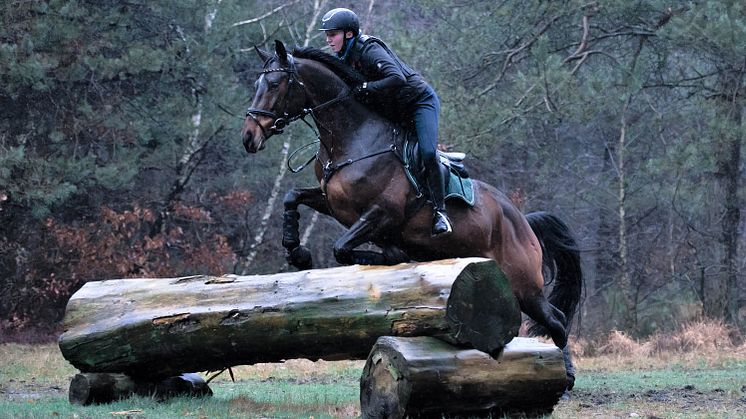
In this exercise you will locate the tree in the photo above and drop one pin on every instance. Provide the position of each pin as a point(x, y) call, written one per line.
point(119, 126)
point(712, 64)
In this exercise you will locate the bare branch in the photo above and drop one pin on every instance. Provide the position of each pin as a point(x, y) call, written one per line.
point(364, 29)
point(318, 5)
point(583, 42)
point(266, 15)
point(512, 53)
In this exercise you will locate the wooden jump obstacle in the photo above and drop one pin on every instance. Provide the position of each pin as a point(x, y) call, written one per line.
point(426, 377)
point(152, 330)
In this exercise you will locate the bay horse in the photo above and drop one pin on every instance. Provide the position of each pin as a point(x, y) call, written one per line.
point(363, 185)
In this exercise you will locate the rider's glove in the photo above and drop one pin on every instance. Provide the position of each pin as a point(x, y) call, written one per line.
point(361, 92)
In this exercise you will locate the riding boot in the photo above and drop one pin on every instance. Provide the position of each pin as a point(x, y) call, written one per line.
point(436, 184)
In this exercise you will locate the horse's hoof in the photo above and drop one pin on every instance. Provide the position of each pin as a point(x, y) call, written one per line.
point(300, 257)
point(570, 382)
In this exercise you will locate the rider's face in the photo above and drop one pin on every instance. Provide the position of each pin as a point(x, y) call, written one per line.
point(336, 39)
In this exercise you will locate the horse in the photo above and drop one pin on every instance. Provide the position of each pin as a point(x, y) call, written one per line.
point(363, 185)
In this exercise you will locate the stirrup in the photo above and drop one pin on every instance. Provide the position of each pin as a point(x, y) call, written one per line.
point(441, 224)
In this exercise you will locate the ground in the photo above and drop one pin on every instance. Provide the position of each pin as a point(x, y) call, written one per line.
point(620, 379)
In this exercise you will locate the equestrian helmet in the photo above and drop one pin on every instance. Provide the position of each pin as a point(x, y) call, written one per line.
point(340, 19)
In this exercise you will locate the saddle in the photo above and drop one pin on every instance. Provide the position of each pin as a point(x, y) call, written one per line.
point(458, 183)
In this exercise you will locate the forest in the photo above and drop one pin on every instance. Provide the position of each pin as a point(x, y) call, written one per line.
point(120, 149)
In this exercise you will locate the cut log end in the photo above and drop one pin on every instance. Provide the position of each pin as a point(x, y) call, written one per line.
point(481, 310)
point(384, 392)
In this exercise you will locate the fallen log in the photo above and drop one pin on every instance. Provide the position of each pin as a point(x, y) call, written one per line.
point(94, 388)
point(159, 327)
point(426, 377)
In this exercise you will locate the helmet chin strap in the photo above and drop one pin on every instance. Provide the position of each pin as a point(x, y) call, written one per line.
point(347, 48)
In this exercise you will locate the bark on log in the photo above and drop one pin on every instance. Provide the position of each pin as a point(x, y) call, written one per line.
point(160, 327)
point(90, 388)
point(426, 377)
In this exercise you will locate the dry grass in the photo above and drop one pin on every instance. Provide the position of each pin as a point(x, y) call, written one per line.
point(703, 342)
point(297, 369)
point(618, 343)
point(242, 406)
point(42, 363)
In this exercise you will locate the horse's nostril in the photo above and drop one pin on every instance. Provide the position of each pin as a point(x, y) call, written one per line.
point(247, 142)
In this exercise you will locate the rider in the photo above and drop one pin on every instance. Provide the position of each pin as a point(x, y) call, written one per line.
point(389, 76)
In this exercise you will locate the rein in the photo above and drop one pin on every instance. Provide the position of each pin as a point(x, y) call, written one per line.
point(280, 122)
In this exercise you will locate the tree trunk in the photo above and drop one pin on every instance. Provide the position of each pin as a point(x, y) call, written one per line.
point(721, 294)
point(93, 388)
point(423, 376)
point(629, 290)
point(160, 327)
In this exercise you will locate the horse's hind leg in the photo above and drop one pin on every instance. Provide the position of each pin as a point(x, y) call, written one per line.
point(553, 319)
point(298, 255)
point(543, 312)
point(569, 366)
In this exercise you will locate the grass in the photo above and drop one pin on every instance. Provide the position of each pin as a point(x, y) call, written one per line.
point(635, 381)
point(696, 373)
point(34, 380)
point(42, 363)
point(245, 398)
point(631, 381)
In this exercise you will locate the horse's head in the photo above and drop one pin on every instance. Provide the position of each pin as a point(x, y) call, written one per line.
point(279, 98)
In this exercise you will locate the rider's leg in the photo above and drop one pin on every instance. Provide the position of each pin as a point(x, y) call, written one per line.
point(426, 124)
point(436, 184)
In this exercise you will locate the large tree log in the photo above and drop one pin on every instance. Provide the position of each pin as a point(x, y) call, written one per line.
point(422, 376)
point(90, 388)
point(160, 327)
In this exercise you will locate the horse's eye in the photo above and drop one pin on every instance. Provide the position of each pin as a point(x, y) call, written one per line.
point(273, 85)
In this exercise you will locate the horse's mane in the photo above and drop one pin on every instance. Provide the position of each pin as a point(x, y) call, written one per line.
point(348, 74)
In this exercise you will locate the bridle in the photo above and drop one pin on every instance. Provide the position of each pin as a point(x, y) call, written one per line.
point(280, 122)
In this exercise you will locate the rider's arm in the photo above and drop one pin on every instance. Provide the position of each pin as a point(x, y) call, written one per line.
point(380, 62)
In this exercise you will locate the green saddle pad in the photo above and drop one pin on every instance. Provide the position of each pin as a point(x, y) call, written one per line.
point(457, 186)
point(461, 188)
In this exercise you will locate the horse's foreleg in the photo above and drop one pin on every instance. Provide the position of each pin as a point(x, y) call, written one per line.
point(298, 255)
point(364, 230)
point(360, 232)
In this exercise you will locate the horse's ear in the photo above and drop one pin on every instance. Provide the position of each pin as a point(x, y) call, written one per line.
point(263, 55)
point(281, 52)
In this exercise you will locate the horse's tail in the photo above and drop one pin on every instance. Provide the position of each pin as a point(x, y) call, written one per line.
point(561, 264)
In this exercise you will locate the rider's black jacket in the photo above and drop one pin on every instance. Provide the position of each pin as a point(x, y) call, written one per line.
point(388, 76)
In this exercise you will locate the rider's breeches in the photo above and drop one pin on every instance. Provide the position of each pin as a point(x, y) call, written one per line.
point(425, 116)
